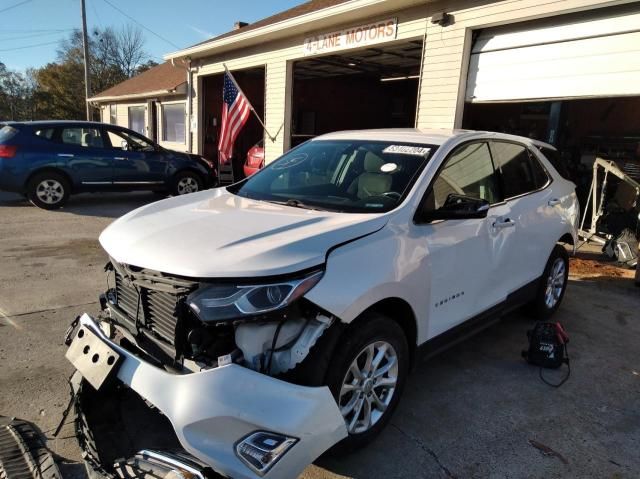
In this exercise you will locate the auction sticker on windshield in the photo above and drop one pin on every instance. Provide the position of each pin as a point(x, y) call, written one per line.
point(407, 150)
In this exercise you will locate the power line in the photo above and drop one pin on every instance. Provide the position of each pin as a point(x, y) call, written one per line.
point(14, 6)
point(141, 25)
point(8, 39)
point(30, 30)
point(29, 46)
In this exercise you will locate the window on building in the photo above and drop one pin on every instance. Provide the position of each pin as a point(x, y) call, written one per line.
point(173, 122)
point(515, 167)
point(113, 114)
point(136, 119)
point(468, 171)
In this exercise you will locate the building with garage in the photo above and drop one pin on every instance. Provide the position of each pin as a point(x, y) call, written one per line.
point(153, 103)
point(564, 71)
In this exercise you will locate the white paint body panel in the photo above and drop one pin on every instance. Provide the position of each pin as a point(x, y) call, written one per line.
point(583, 57)
point(216, 234)
point(211, 410)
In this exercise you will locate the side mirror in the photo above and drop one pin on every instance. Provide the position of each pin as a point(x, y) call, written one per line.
point(458, 207)
point(124, 144)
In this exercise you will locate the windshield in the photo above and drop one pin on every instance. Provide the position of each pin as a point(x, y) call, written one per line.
point(340, 175)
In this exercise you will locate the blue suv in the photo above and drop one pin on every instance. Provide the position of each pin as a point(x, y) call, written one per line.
point(49, 160)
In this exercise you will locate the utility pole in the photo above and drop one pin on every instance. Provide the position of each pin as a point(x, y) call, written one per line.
point(85, 46)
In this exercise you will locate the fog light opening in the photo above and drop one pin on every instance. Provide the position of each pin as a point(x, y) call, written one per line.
point(261, 450)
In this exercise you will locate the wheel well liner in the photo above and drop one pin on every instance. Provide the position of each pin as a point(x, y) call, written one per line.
point(400, 311)
point(567, 238)
point(51, 169)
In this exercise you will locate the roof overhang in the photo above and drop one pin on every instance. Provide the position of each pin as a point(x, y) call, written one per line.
point(180, 90)
point(324, 18)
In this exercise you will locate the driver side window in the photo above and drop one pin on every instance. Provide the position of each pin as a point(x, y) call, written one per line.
point(468, 171)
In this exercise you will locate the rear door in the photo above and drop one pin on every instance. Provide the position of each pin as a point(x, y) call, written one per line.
point(81, 151)
point(525, 187)
point(137, 161)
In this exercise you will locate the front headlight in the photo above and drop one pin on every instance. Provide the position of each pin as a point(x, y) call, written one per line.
point(221, 302)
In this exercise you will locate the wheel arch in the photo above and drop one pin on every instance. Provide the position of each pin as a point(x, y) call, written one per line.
point(189, 169)
point(567, 238)
point(51, 169)
point(400, 311)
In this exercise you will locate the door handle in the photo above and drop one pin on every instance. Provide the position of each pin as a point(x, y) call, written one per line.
point(553, 202)
point(119, 158)
point(65, 155)
point(505, 223)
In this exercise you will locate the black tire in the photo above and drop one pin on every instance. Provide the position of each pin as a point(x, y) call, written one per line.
point(540, 308)
point(186, 182)
point(48, 190)
point(370, 329)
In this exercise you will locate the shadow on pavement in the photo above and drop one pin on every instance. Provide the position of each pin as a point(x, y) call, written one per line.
point(107, 205)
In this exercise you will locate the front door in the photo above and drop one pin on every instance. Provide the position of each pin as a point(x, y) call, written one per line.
point(464, 257)
point(137, 161)
point(82, 151)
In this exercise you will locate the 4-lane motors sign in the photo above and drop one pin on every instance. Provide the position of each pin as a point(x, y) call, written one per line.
point(353, 37)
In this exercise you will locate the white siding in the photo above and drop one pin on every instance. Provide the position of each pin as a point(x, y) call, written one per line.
point(447, 50)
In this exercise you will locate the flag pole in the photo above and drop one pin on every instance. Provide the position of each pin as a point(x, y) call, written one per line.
point(250, 105)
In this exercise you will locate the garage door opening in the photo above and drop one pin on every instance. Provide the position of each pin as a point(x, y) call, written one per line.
point(581, 130)
point(367, 88)
point(251, 81)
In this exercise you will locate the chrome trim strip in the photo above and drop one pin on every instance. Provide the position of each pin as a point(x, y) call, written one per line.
point(96, 182)
point(171, 461)
point(138, 182)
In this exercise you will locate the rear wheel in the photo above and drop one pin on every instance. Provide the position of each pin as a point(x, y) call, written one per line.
point(553, 285)
point(48, 190)
point(367, 376)
point(187, 182)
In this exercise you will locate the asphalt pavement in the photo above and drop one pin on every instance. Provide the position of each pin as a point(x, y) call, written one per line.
point(477, 410)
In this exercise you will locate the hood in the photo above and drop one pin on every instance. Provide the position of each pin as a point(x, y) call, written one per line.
point(215, 234)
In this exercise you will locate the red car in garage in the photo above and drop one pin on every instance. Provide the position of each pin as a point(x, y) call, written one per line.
point(255, 159)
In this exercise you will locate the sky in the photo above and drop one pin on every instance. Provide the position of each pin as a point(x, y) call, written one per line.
point(31, 29)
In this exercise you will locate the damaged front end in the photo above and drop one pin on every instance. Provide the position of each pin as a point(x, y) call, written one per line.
point(229, 366)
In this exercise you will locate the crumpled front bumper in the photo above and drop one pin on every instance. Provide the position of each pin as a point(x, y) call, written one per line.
point(212, 410)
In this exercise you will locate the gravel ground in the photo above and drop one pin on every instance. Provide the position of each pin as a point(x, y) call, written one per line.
point(475, 411)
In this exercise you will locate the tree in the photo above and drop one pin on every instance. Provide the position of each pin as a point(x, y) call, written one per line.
point(15, 95)
point(114, 57)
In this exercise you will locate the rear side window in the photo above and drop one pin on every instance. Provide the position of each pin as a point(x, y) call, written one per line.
point(7, 132)
point(540, 176)
point(515, 168)
point(46, 133)
point(86, 137)
point(554, 158)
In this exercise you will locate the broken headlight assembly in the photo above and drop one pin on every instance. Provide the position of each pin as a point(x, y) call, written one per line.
point(219, 302)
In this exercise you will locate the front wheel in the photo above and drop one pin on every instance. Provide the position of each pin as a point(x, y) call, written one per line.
point(366, 377)
point(187, 182)
point(553, 285)
point(48, 190)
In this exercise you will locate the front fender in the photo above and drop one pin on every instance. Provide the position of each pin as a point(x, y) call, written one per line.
point(364, 272)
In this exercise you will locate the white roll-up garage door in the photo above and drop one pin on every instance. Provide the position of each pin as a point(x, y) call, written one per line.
point(596, 54)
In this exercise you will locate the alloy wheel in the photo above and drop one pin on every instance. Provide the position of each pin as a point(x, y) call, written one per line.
point(187, 185)
point(368, 386)
point(555, 283)
point(50, 191)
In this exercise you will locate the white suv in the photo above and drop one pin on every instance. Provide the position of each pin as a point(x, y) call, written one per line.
point(277, 317)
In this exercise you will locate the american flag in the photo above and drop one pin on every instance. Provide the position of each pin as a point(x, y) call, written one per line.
point(235, 112)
